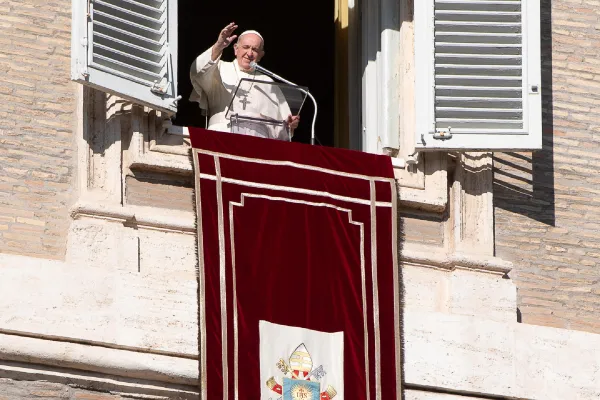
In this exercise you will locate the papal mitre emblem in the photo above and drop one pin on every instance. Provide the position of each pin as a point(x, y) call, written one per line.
point(301, 362)
point(300, 381)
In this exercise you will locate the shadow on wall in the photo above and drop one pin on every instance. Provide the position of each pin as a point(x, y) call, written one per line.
point(524, 182)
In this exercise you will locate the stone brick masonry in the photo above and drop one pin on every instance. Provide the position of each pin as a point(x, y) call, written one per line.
point(24, 390)
point(36, 127)
point(547, 212)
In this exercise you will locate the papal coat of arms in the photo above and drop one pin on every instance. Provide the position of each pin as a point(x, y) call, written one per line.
point(300, 381)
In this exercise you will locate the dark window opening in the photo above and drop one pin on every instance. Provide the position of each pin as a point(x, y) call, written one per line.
point(299, 46)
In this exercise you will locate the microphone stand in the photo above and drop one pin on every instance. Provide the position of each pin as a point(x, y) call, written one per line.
point(255, 66)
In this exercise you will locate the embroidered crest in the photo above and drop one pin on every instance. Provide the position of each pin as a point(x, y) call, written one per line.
point(300, 380)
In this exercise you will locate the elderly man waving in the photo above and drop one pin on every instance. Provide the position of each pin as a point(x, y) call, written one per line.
point(215, 81)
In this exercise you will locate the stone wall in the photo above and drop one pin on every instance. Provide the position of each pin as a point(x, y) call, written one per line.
point(546, 203)
point(37, 107)
point(25, 390)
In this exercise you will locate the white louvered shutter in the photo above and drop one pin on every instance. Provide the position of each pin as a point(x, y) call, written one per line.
point(478, 74)
point(127, 47)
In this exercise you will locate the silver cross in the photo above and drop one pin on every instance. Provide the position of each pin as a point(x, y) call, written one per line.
point(245, 101)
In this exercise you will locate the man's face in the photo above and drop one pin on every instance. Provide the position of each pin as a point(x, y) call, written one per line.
point(248, 48)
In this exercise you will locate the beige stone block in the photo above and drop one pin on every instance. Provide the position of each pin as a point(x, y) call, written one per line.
point(461, 292)
point(30, 221)
point(425, 395)
point(150, 309)
point(475, 355)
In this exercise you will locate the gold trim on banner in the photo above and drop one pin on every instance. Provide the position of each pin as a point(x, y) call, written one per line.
point(295, 165)
point(222, 280)
point(235, 310)
point(397, 327)
point(201, 283)
point(372, 203)
point(297, 190)
point(375, 290)
point(362, 267)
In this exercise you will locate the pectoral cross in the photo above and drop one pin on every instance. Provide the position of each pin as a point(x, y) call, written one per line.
point(245, 101)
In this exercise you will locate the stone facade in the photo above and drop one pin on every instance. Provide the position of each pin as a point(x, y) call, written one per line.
point(98, 290)
point(23, 390)
point(546, 203)
point(37, 108)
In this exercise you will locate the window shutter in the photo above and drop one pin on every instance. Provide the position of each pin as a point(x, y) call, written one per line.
point(478, 77)
point(127, 47)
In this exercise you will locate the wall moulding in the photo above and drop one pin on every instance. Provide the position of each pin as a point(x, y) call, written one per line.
point(437, 257)
point(117, 362)
point(138, 216)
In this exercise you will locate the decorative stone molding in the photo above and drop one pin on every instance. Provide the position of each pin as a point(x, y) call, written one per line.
point(470, 228)
point(436, 257)
point(116, 362)
point(138, 217)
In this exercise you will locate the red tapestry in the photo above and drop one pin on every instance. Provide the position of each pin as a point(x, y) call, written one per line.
point(298, 271)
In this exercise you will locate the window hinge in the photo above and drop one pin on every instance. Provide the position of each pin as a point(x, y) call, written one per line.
point(442, 133)
point(161, 87)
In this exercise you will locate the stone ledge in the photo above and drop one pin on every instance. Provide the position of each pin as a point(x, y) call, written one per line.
point(435, 257)
point(153, 312)
point(117, 362)
point(109, 385)
point(475, 356)
point(137, 216)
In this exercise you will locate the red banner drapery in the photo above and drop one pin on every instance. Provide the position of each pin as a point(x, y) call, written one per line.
point(297, 235)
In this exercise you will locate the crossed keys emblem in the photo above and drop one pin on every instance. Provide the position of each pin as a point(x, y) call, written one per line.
point(316, 373)
point(300, 379)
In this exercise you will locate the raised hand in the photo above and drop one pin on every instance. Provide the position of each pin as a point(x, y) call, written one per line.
point(226, 36)
point(224, 40)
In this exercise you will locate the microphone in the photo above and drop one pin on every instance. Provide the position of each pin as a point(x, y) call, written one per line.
point(273, 75)
point(265, 71)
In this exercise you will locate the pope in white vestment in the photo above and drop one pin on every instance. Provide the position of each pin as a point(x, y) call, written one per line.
point(215, 82)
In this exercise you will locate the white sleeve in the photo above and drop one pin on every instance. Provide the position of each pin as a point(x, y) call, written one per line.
point(205, 75)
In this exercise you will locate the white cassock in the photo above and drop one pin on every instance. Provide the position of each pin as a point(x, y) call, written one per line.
point(214, 84)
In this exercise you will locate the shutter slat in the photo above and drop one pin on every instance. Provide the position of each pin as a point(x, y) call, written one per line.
point(130, 38)
point(109, 51)
point(148, 17)
point(111, 20)
point(158, 7)
point(142, 41)
point(476, 102)
point(478, 64)
point(479, 45)
point(476, 125)
point(138, 74)
point(125, 46)
point(479, 60)
point(464, 69)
